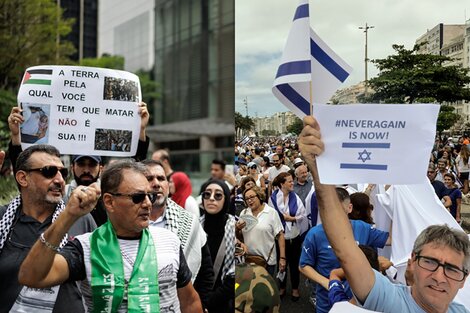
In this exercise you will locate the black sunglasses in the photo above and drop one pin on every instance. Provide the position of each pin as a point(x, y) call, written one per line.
point(206, 195)
point(50, 171)
point(137, 197)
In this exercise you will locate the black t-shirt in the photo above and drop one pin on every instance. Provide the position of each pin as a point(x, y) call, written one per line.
point(439, 188)
point(23, 234)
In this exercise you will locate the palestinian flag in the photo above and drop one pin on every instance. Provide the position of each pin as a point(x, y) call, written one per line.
point(38, 77)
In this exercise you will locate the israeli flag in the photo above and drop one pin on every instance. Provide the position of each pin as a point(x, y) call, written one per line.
point(310, 72)
point(245, 140)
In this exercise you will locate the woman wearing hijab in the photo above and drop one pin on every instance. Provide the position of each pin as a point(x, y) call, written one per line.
point(180, 190)
point(220, 229)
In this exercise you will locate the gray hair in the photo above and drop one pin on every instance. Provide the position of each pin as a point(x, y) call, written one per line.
point(446, 236)
point(113, 175)
point(297, 170)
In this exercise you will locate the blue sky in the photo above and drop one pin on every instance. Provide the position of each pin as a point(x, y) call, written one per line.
point(261, 29)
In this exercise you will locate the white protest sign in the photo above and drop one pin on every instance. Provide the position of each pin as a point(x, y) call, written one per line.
point(81, 110)
point(346, 307)
point(376, 143)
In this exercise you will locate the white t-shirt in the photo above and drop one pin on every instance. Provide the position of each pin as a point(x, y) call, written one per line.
point(261, 238)
point(463, 168)
point(31, 125)
point(167, 248)
point(273, 171)
point(301, 216)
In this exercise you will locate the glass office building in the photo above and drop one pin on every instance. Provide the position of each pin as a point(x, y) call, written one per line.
point(194, 65)
point(84, 31)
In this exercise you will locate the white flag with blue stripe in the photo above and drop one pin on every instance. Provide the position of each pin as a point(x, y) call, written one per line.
point(309, 71)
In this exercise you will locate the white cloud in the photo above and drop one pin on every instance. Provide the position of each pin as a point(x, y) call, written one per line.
point(261, 29)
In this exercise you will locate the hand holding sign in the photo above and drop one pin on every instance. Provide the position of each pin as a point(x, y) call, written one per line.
point(15, 119)
point(144, 119)
point(310, 143)
point(82, 110)
point(364, 143)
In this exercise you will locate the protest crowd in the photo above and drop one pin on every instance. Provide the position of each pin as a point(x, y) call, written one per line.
point(281, 227)
point(116, 235)
point(127, 234)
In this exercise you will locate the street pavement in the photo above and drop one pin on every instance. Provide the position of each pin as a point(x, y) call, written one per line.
point(301, 306)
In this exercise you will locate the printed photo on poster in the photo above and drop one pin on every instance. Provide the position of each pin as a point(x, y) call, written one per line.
point(35, 128)
point(120, 89)
point(113, 140)
point(67, 106)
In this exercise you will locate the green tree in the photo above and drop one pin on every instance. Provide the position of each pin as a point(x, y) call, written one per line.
point(268, 132)
point(7, 101)
point(296, 126)
point(238, 122)
point(446, 118)
point(409, 77)
point(150, 88)
point(28, 32)
point(115, 62)
point(245, 123)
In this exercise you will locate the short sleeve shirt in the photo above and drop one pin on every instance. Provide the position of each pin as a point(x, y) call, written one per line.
point(317, 252)
point(390, 298)
point(261, 238)
point(173, 271)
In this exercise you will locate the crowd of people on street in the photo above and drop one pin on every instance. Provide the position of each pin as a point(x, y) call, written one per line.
point(121, 235)
point(127, 234)
point(281, 219)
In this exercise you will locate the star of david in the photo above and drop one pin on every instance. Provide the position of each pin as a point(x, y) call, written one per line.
point(364, 156)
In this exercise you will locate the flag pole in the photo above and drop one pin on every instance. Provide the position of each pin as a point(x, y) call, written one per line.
point(311, 100)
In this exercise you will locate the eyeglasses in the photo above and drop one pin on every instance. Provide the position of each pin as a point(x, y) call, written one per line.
point(253, 167)
point(251, 198)
point(50, 171)
point(206, 195)
point(450, 271)
point(137, 197)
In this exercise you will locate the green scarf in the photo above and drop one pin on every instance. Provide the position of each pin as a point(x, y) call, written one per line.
point(107, 273)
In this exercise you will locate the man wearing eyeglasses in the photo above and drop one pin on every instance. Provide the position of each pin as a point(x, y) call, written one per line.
point(123, 265)
point(439, 261)
point(40, 178)
point(167, 214)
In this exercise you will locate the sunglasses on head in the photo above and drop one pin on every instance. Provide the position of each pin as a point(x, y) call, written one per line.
point(206, 195)
point(137, 197)
point(50, 171)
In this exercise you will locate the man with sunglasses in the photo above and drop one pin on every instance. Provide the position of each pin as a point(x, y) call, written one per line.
point(123, 266)
point(86, 169)
point(40, 178)
point(440, 259)
point(167, 214)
